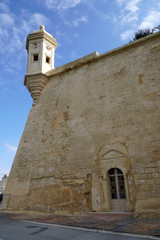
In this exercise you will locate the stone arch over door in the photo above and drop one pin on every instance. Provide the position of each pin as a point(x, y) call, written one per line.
point(114, 156)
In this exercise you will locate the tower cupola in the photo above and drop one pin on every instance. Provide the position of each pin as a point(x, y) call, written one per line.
point(40, 47)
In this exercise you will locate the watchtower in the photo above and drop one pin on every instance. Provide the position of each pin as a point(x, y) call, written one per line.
point(41, 47)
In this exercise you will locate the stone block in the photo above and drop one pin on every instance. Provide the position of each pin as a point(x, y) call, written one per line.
point(144, 187)
point(157, 181)
point(141, 181)
point(150, 181)
point(149, 175)
point(150, 170)
point(140, 170)
point(156, 175)
point(143, 176)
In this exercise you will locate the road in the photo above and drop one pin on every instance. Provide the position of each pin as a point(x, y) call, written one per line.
point(27, 230)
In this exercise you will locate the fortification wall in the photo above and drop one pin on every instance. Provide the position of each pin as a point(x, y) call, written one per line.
point(107, 106)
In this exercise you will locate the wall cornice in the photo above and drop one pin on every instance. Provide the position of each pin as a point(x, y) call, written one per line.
point(95, 56)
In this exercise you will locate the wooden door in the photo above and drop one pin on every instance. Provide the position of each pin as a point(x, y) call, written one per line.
point(117, 190)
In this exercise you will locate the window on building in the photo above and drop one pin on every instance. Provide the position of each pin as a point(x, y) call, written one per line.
point(47, 59)
point(35, 57)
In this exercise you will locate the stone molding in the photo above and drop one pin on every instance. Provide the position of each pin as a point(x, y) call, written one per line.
point(35, 84)
point(113, 147)
point(72, 65)
point(39, 34)
point(95, 56)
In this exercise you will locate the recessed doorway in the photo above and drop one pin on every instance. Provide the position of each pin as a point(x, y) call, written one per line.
point(117, 190)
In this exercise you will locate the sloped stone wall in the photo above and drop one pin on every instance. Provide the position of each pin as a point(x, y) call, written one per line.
point(112, 100)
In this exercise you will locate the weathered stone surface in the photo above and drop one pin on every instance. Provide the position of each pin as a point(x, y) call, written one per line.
point(35, 84)
point(95, 114)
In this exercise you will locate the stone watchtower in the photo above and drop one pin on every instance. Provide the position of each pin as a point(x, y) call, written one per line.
point(40, 46)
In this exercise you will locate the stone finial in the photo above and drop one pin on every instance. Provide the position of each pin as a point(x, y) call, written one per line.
point(42, 27)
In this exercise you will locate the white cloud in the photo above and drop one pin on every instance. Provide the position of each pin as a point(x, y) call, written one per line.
point(10, 148)
point(13, 34)
point(132, 5)
point(61, 5)
point(129, 17)
point(4, 7)
point(32, 21)
point(78, 20)
point(38, 19)
point(127, 34)
point(137, 14)
point(129, 5)
point(151, 20)
point(120, 2)
point(76, 35)
point(128, 11)
point(101, 14)
point(6, 20)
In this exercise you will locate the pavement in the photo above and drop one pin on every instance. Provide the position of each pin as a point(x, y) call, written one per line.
point(116, 222)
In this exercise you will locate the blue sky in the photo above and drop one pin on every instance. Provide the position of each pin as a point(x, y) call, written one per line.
point(79, 26)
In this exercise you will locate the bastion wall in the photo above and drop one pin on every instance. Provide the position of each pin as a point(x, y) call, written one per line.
point(94, 114)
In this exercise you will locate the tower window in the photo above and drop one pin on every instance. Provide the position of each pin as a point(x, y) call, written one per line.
point(35, 57)
point(47, 59)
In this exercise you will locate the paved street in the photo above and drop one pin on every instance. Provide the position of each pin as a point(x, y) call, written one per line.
point(17, 229)
point(124, 223)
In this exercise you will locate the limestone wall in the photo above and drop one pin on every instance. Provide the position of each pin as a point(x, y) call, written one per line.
point(108, 106)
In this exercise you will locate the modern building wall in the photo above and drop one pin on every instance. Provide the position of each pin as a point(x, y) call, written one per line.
point(3, 183)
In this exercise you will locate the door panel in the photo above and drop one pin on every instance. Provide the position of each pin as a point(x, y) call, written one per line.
point(117, 190)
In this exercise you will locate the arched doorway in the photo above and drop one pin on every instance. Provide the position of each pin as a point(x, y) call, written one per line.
point(117, 190)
